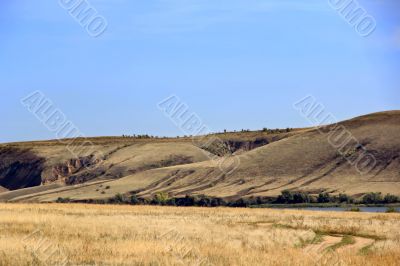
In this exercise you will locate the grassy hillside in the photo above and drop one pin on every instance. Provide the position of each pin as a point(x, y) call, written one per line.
point(268, 162)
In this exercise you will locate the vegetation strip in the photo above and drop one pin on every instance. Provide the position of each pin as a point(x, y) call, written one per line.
point(286, 200)
point(321, 232)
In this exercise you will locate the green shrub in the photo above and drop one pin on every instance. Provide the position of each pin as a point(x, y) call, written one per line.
point(134, 200)
point(63, 200)
point(391, 210)
point(119, 198)
point(171, 202)
point(161, 198)
point(354, 209)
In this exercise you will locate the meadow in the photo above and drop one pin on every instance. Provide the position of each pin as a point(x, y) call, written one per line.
point(78, 234)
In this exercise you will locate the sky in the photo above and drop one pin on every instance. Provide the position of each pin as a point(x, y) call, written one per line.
point(235, 63)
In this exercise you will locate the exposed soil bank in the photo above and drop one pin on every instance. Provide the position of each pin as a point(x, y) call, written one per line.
point(19, 168)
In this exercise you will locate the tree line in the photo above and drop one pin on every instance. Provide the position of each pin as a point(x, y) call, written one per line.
point(286, 197)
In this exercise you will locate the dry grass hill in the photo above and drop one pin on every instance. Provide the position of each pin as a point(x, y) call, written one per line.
point(267, 163)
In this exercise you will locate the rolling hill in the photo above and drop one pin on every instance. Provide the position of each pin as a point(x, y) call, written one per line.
point(265, 163)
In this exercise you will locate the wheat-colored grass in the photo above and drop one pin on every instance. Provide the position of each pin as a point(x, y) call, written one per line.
point(143, 235)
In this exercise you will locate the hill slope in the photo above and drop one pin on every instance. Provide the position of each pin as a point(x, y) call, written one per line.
point(304, 160)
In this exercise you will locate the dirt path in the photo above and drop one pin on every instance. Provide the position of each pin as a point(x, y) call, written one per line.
point(327, 242)
point(360, 243)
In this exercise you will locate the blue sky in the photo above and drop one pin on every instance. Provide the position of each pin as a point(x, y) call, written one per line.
point(236, 63)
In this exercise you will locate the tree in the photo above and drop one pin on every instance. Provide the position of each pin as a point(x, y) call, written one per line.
point(372, 198)
point(285, 197)
point(171, 202)
point(215, 202)
point(160, 198)
point(300, 197)
point(118, 198)
point(344, 198)
point(240, 203)
point(204, 202)
point(186, 201)
point(390, 198)
point(324, 198)
point(134, 200)
point(288, 196)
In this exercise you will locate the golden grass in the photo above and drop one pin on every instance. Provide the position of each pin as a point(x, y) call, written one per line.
point(144, 235)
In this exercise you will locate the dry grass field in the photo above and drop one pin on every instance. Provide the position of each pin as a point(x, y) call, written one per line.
point(74, 234)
